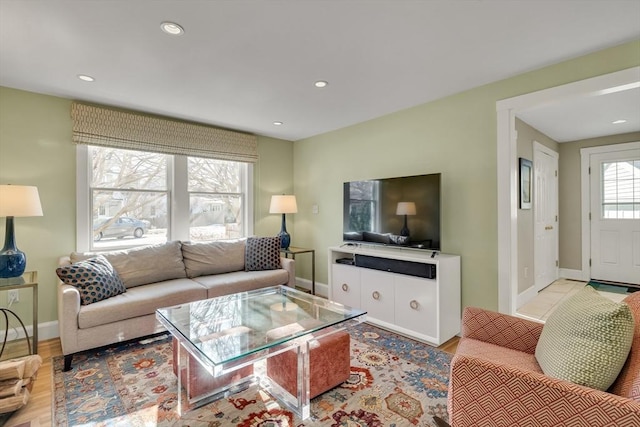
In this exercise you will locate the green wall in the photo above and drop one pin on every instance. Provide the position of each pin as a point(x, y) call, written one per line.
point(36, 149)
point(456, 136)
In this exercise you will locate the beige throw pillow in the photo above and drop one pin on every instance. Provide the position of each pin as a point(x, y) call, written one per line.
point(586, 340)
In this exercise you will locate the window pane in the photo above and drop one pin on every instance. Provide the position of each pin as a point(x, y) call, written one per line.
point(128, 218)
point(114, 168)
point(621, 190)
point(214, 176)
point(215, 217)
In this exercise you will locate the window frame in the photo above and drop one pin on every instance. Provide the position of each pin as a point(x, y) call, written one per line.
point(178, 199)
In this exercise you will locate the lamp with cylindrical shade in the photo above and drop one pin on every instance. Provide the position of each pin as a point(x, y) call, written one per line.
point(405, 208)
point(16, 200)
point(283, 204)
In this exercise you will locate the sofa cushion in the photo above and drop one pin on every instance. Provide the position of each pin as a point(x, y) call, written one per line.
point(586, 340)
point(628, 382)
point(213, 257)
point(262, 253)
point(95, 278)
point(145, 264)
point(141, 301)
point(241, 281)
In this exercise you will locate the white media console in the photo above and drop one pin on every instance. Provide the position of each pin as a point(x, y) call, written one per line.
point(408, 291)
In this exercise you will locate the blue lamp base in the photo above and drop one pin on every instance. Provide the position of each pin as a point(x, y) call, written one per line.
point(285, 238)
point(12, 260)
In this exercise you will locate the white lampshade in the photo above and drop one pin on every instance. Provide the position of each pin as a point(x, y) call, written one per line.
point(406, 208)
point(19, 200)
point(283, 204)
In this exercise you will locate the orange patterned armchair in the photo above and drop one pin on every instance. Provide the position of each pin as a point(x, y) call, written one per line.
point(496, 380)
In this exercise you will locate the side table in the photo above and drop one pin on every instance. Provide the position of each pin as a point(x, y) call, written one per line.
point(28, 280)
point(293, 251)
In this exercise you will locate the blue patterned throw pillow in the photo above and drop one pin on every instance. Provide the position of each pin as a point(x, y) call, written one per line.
point(262, 253)
point(95, 278)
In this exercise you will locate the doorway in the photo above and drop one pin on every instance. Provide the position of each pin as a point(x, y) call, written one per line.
point(507, 168)
point(545, 216)
point(611, 230)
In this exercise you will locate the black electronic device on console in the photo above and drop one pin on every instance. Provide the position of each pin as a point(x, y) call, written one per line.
point(347, 261)
point(410, 268)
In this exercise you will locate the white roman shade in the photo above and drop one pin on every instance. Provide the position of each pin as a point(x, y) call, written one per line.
point(135, 131)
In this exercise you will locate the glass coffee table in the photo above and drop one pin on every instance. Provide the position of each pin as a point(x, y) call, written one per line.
point(229, 338)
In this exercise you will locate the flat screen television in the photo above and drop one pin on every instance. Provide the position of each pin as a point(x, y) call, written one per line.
point(397, 212)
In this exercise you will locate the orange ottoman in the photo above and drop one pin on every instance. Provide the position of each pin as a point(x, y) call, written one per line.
point(201, 382)
point(329, 365)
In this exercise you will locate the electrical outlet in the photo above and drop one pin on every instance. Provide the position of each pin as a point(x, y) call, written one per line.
point(13, 296)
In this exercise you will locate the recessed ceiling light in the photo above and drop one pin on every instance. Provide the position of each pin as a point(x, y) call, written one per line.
point(277, 123)
point(172, 28)
point(321, 83)
point(86, 78)
point(617, 122)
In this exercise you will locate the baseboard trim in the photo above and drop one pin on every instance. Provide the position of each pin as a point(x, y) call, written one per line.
point(573, 274)
point(46, 331)
point(322, 289)
point(526, 296)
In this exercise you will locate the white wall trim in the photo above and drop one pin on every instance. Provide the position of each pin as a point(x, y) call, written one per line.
point(585, 195)
point(568, 273)
point(526, 296)
point(506, 110)
point(322, 289)
point(46, 331)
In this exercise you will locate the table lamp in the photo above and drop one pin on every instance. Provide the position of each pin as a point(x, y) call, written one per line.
point(283, 204)
point(405, 208)
point(16, 200)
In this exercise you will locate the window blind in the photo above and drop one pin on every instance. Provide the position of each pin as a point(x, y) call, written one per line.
point(107, 127)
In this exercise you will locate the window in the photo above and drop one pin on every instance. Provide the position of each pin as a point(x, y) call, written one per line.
point(363, 206)
point(621, 190)
point(215, 199)
point(130, 198)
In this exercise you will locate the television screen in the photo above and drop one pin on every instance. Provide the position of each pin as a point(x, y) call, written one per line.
point(403, 211)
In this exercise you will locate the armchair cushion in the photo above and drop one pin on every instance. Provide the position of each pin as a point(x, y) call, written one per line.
point(586, 340)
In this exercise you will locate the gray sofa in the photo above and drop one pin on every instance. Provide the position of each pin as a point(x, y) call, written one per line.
point(156, 276)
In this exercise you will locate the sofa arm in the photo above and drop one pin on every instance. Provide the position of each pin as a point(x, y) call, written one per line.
point(484, 393)
point(501, 329)
point(289, 264)
point(68, 311)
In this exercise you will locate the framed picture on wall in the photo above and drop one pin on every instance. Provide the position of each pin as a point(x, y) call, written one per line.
point(526, 167)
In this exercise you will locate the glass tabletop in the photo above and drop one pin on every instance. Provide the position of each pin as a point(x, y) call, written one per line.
point(231, 327)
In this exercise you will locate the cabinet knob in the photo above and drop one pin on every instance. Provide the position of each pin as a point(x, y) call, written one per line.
point(345, 287)
point(376, 295)
point(414, 304)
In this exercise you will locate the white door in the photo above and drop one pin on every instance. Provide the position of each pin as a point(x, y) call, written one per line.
point(615, 216)
point(545, 215)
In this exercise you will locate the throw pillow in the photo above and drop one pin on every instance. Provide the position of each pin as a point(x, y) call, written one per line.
point(586, 340)
point(262, 253)
point(95, 278)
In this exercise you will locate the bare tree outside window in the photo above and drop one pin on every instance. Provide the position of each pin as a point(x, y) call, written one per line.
point(129, 197)
point(216, 201)
point(131, 205)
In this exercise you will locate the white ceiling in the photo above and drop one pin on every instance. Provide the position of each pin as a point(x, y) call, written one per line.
point(245, 64)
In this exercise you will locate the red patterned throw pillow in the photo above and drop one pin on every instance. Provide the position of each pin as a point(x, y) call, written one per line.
point(262, 253)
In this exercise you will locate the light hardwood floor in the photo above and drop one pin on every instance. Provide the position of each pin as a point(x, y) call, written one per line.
point(39, 406)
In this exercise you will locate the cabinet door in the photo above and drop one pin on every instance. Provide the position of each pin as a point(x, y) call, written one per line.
point(345, 285)
point(377, 295)
point(417, 305)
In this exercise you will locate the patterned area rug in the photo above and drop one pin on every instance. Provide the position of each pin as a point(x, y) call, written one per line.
point(394, 382)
